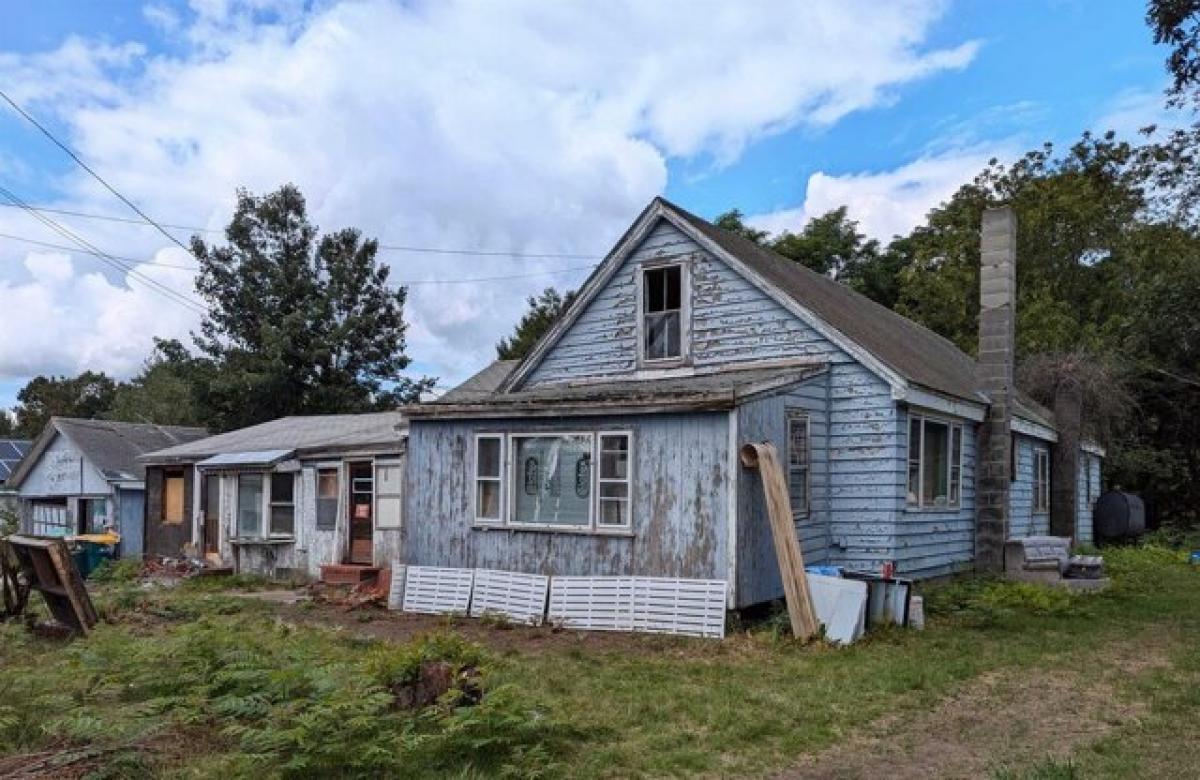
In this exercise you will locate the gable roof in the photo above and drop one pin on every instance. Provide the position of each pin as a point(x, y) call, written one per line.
point(898, 349)
point(11, 453)
point(305, 434)
point(110, 446)
point(482, 384)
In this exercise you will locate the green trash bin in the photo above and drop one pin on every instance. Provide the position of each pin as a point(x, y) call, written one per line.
point(88, 556)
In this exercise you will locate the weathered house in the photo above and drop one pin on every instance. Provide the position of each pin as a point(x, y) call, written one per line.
point(289, 496)
point(82, 476)
point(612, 449)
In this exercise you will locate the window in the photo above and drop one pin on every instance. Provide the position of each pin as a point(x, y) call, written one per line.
point(283, 504)
point(662, 313)
point(327, 499)
point(49, 517)
point(488, 478)
point(249, 505)
point(172, 508)
point(93, 515)
point(934, 463)
point(541, 500)
point(388, 494)
point(797, 461)
point(614, 480)
point(1041, 480)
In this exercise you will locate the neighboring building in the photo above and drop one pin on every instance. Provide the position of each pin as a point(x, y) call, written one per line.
point(285, 497)
point(11, 453)
point(612, 449)
point(82, 476)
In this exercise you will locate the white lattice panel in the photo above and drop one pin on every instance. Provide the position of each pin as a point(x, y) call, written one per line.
point(520, 597)
point(679, 606)
point(647, 604)
point(592, 603)
point(437, 591)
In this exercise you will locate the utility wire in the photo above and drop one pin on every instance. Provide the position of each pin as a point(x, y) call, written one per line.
point(111, 260)
point(89, 169)
point(194, 267)
point(390, 247)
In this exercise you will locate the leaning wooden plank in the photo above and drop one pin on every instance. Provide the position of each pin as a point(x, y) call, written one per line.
point(49, 569)
point(783, 531)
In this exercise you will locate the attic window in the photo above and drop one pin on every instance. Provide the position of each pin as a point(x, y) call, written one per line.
point(662, 313)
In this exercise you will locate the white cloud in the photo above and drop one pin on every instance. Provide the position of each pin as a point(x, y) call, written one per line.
point(1132, 110)
point(885, 203)
point(518, 127)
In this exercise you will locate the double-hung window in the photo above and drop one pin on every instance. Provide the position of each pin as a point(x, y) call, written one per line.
point(663, 330)
point(798, 461)
point(934, 463)
point(1041, 480)
point(266, 505)
point(579, 481)
point(327, 498)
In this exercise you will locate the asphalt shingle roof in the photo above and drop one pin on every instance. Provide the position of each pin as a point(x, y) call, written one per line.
point(303, 433)
point(113, 447)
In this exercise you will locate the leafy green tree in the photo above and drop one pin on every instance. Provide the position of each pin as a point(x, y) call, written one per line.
point(298, 324)
point(544, 311)
point(86, 396)
point(1176, 23)
point(168, 391)
point(735, 222)
point(829, 244)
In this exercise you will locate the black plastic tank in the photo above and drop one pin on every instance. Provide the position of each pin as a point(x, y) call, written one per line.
point(1118, 516)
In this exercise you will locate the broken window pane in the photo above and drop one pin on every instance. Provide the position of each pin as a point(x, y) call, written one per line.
point(662, 304)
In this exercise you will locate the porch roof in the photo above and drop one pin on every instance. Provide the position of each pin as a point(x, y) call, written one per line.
point(257, 459)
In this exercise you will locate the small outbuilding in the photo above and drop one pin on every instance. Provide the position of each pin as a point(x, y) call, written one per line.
point(83, 476)
point(306, 496)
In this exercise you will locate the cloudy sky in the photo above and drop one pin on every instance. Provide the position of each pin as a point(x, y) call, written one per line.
point(504, 129)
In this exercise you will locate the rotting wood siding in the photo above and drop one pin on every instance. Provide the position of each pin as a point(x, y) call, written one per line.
point(679, 505)
point(732, 320)
point(765, 420)
point(935, 542)
point(166, 539)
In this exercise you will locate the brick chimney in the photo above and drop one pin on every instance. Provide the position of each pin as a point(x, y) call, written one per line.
point(997, 340)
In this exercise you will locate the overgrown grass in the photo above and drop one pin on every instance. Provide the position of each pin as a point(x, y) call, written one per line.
point(272, 699)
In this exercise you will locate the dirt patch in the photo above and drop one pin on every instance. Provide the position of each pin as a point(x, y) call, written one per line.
point(1004, 720)
point(502, 637)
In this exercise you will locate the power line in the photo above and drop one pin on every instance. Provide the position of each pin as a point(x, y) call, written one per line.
point(88, 168)
point(414, 249)
point(112, 261)
point(395, 283)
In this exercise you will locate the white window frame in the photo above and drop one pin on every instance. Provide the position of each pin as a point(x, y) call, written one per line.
point(685, 313)
point(515, 473)
point(266, 503)
point(499, 478)
point(795, 415)
point(598, 480)
point(951, 467)
point(1041, 462)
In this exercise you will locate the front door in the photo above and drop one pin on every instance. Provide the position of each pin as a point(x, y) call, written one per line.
point(212, 517)
point(362, 506)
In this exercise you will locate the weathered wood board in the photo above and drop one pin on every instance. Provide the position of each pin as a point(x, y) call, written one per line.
point(50, 570)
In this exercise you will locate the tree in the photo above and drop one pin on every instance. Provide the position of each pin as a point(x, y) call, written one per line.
point(544, 311)
point(1176, 23)
point(168, 391)
point(735, 222)
point(85, 396)
point(298, 324)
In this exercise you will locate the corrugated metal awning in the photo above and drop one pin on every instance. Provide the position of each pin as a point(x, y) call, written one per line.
point(242, 460)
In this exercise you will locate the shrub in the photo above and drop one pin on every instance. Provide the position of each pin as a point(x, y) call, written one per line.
point(125, 570)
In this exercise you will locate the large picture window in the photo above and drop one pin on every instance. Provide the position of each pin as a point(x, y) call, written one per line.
point(662, 313)
point(934, 463)
point(797, 461)
point(548, 462)
point(1041, 480)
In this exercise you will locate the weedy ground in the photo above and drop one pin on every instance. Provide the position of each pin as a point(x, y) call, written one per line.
point(1007, 681)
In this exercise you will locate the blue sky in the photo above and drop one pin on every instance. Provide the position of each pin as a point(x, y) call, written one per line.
point(537, 130)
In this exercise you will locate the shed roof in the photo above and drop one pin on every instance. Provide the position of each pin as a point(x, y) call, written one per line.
point(716, 390)
point(110, 446)
point(306, 434)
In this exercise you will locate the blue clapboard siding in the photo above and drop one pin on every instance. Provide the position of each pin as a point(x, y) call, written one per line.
point(1087, 491)
point(765, 419)
point(732, 320)
point(934, 542)
point(679, 510)
point(1023, 521)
